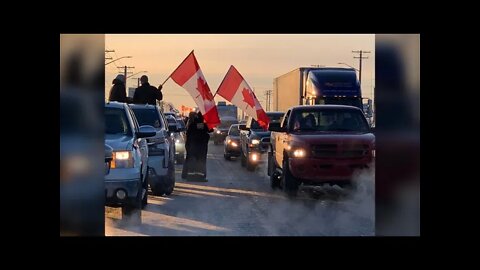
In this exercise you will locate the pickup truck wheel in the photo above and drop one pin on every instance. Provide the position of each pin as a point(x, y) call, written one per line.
point(275, 180)
point(157, 189)
point(289, 183)
point(227, 157)
point(269, 163)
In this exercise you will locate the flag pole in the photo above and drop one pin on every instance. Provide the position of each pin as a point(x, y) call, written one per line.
point(176, 68)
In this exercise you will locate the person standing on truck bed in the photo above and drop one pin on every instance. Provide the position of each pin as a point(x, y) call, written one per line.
point(118, 92)
point(147, 94)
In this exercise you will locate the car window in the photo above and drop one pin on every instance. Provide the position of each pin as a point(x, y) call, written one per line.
point(116, 122)
point(181, 123)
point(148, 117)
point(134, 119)
point(171, 120)
point(234, 131)
point(285, 119)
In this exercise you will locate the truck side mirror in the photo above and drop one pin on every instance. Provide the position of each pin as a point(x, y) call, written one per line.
point(275, 127)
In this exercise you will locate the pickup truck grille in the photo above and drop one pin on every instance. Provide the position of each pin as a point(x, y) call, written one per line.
point(339, 151)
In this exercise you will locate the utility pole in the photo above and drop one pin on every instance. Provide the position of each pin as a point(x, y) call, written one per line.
point(268, 97)
point(361, 52)
point(109, 51)
point(125, 68)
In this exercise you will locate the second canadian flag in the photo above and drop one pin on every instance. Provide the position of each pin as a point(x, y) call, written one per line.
point(235, 89)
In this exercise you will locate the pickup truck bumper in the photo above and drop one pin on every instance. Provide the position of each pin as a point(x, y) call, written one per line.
point(314, 170)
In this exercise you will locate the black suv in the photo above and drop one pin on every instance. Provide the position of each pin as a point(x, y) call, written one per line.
point(254, 140)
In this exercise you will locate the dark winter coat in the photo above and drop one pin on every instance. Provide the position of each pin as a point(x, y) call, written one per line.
point(118, 92)
point(147, 94)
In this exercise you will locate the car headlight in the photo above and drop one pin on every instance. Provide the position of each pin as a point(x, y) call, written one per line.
point(122, 159)
point(255, 141)
point(228, 141)
point(177, 141)
point(234, 144)
point(218, 132)
point(299, 153)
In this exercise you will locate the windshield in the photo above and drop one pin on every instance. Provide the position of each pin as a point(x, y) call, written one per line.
point(181, 123)
point(171, 120)
point(116, 122)
point(148, 117)
point(234, 131)
point(328, 120)
point(274, 118)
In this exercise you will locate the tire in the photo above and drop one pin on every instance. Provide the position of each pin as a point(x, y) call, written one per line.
point(132, 214)
point(275, 180)
point(227, 157)
point(145, 187)
point(269, 163)
point(289, 183)
point(157, 189)
point(180, 159)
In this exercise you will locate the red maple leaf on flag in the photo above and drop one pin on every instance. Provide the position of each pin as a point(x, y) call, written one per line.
point(203, 89)
point(247, 97)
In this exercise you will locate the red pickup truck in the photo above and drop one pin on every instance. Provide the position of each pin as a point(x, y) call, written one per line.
point(319, 144)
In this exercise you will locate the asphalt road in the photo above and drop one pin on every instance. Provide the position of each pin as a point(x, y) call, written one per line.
point(235, 202)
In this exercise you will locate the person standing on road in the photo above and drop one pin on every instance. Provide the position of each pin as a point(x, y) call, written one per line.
point(147, 94)
point(118, 91)
point(196, 146)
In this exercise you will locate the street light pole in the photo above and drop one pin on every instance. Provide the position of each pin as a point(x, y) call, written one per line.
point(347, 65)
point(144, 71)
point(118, 59)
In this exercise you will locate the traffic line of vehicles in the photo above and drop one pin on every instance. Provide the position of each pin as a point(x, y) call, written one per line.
point(141, 150)
point(322, 132)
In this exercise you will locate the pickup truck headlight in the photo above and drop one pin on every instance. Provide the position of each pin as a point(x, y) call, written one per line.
point(122, 159)
point(299, 153)
point(255, 141)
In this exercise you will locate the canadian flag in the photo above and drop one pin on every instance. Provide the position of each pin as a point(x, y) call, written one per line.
point(235, 89)
point(189, 76)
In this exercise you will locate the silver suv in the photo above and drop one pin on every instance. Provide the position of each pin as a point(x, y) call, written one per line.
point(161, 149)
